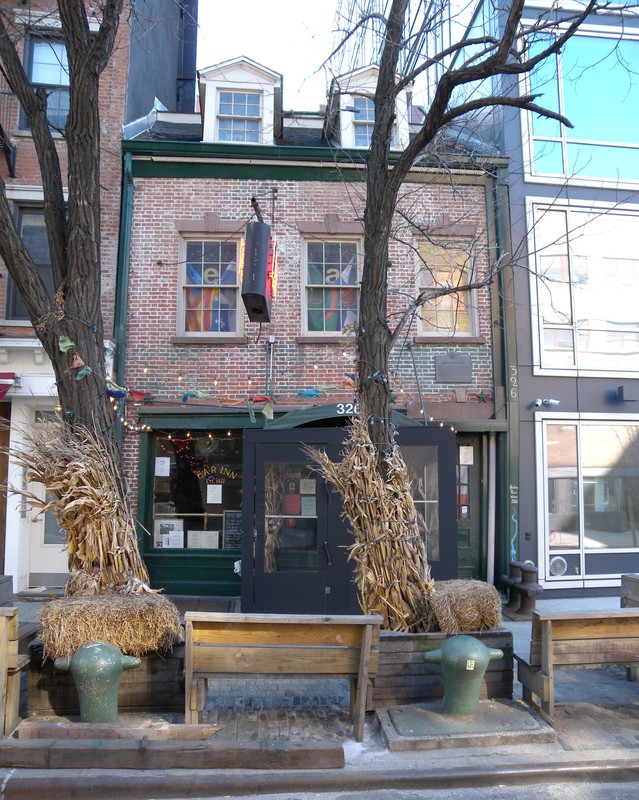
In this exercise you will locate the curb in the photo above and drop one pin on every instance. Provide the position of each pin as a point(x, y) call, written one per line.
point(136, 786)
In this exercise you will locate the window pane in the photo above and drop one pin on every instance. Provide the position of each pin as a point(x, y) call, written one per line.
point(445, 266)
point(422, 466)
point(208, 308)
point(331, 265)
point(290, 523)
point(549, 158)
point(49, 63)
point(610, 458)
point(198, 481)
point(563, 501)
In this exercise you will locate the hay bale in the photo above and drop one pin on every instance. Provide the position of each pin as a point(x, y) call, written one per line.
point(135, 624)
point(463, 605)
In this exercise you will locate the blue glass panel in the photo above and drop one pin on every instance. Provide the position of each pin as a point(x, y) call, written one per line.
point(601, 76)
point(603, 162)
point(548, 158)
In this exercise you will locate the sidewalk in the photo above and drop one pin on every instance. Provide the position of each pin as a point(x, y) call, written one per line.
point(597, 727)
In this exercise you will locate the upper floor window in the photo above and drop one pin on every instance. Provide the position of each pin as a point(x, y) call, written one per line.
point(210, 289)
point(364, 120)
point(332, 285)
point(446, 266)
point(239, 117)
point(47, 67)
point(587, 273)
point(593, 82)
point(32, 230)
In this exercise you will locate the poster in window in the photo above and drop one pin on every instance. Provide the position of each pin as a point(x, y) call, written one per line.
point(214, 493)
point(292, 504)
point(203, 540)
point(168, 533)
point(232, 530)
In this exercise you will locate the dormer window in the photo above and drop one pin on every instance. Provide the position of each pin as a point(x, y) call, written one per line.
point(351, 110)
point(239, 117)
point(241, 102)
point(364, 120)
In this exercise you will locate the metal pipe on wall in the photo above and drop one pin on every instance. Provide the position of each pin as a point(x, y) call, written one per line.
point(492, 510)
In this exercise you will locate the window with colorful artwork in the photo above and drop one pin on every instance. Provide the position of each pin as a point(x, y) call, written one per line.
point(446, 266)
point(332, 286)
point(210, 303)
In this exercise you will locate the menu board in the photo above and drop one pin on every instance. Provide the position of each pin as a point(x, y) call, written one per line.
point(232, 530)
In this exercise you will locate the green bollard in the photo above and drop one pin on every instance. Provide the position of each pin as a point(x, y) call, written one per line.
point(464, 661)
point(96, 669)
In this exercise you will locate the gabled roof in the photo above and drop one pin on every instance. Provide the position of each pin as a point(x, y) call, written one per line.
point(244, 63)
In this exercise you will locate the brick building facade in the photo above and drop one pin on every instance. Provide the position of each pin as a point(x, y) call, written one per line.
point(200, 374)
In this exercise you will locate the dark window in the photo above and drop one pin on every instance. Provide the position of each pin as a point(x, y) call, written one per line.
point(34, 235)
point(47, 67)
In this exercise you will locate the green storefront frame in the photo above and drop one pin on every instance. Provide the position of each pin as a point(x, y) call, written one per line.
point(184, 572)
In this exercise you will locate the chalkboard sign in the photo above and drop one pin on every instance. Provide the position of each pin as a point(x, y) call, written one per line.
point(232, 530)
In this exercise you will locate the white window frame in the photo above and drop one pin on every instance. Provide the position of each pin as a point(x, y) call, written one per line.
point(306, 286)
point(536, 330)
point(182, 273)
point(614, 33)
point(541, 420)
point(243, 118)
point(425, 330)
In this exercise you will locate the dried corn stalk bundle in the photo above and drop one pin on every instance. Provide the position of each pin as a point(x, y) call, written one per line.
point(464, 605)
point(392, 572)
point(84, 490)
point(136, 624)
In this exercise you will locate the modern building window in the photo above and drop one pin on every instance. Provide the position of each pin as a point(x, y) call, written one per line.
point(446, 266)
point(210, 288)
point(587, 271)
point(31, 227)
point(47, 67)
point(332, 286)
point(592, 485)
point(239, 117)
point(593, 82)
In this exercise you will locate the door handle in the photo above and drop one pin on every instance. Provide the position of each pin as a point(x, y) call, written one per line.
point(328, 555)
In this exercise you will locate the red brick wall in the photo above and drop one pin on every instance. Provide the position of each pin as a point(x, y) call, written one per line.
point(112, 106)
point(224, 370)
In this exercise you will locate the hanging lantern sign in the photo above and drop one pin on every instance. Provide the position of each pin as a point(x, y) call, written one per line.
point(258, 269)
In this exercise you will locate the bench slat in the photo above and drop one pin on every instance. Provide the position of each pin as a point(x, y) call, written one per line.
point(281, 660)
point(269, 633)
point(585, 651)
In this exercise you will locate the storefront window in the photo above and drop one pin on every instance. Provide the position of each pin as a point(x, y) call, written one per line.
point(197, 490)
point(592, 471)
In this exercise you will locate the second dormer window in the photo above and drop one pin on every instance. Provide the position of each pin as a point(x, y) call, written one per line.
point(364, 120)
point(239, 117)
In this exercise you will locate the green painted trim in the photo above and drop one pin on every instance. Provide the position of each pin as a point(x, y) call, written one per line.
point(164, 169)
point(200, 421)
point(122, 281)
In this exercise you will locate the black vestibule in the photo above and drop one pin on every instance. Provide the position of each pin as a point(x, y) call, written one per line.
point(295, 540)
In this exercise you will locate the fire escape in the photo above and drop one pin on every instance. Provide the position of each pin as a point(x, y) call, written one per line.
point(6, 109)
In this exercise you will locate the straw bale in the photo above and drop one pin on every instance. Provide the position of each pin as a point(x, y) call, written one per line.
point(463, 605)
point(136, 624)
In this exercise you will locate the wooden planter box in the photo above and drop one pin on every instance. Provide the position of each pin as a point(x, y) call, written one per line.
point(404, 677)
point(156, 686)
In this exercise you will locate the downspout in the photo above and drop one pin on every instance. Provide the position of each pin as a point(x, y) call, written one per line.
point(492, 507)
point(122, 281)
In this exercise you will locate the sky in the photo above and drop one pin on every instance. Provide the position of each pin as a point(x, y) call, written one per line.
point(292, 37)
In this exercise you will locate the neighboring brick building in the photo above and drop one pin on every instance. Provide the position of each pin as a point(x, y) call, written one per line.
point(130, 86)
point(200, 374)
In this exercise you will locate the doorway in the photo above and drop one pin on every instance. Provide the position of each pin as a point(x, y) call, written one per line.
point(294, 550)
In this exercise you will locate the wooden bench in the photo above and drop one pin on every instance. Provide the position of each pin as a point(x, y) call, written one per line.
point(220, 645)
point(592, 640)
point(11, 665)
